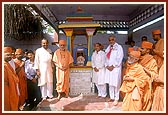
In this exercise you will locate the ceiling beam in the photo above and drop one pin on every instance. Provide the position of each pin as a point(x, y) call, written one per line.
point(46, 14)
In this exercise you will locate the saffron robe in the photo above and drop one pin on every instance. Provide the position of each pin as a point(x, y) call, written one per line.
point(11, 94)
point(62, 58)
point(22, 83)
point(158, 100)
point(136, 72)
point(159, 47)
point(148, 62)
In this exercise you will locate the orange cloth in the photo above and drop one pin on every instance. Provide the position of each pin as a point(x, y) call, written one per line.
point(22, 82)
point(136, 54)
point(11, 97)
point(159, 47)
point(7, 50)
point(156, 32)
point(62, 59)
point(146, 44)
point(19, 50)
point(148, 62)
point(134, 89)
point(158, 100)
point(130, 49)
point(62, 42)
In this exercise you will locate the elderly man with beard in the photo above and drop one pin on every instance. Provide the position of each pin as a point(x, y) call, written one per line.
point(134, 84)
point(62, 59)
point(150, 66)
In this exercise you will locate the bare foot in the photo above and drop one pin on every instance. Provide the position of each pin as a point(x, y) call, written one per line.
point(115, 103)
point(59, 96)
point(98, 96)
point(109, 100)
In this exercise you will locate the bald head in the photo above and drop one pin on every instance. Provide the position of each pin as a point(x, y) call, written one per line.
point(7, 53)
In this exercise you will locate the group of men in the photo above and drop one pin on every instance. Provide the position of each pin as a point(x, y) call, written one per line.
point(15, 83)
point(142, 85)
point(30, 81)
point(107, 69)
point(142, 81)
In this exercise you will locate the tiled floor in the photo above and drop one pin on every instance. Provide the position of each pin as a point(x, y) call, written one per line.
point(78, 103)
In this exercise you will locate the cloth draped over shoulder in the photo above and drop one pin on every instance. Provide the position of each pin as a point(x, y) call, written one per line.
point(136, 72)
point(158, 100)
point(11, 92)
point(62, 58)
point(148, 62)
point(22, 83)
point(159, 47)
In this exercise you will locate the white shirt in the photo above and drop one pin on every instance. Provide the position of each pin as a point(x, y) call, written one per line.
point(98, 61)
point(113, 78)
point(43, 62)
point(30, 70)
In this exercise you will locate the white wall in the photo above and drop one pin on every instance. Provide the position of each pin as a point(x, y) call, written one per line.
point(101, 38)
point(148, 32)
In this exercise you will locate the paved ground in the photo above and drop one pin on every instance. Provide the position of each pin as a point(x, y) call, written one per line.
point(78, 103)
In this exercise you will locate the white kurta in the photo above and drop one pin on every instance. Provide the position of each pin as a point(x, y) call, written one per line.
point(98, 61)
point(113, 78)
point(43, 62)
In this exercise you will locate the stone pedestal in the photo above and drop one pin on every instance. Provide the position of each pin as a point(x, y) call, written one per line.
point(81, 80)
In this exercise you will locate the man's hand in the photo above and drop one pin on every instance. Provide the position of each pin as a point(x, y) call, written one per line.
point(22, 64)
point(63, 68)
point(34, 80)
point(96, 70)
point(127, 78)
point(38, 73)
point(110, 68)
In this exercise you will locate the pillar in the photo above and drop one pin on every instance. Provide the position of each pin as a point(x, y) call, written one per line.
point(90, 32)
point(69, 33)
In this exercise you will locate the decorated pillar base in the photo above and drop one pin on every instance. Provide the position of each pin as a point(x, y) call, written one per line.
point(88, 63)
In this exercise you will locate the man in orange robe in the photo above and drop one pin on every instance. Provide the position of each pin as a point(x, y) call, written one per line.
point(158, 47)
point(134, 83)
point(150, 66)
point(158, 100)
point(130, 49)
point(11, 80)
point(22, 77)
point(62, 59)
